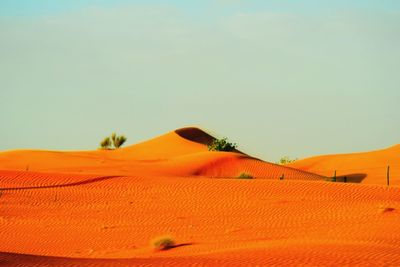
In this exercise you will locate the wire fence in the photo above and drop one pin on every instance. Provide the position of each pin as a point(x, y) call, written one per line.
point(345, 175)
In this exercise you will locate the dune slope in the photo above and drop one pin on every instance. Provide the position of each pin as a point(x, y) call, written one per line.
point(179, 153)
point(367, 167)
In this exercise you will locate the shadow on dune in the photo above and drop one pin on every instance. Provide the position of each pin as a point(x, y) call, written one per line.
point(199, 136)
point(178, 245)
point(19, 259)
point(84, 182)
point(351, 178)
point(195, 135)
point(16, 259)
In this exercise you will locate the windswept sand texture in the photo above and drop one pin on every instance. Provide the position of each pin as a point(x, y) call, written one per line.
point(367, 167)
point(102, 208)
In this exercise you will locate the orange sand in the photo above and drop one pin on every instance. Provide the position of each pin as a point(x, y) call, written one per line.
point(367, 167)
point(180, 153)
point(102, 208)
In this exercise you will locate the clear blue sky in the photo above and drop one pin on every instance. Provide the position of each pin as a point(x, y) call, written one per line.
point(295, 78)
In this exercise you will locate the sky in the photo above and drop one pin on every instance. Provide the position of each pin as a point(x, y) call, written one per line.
point(295, 78)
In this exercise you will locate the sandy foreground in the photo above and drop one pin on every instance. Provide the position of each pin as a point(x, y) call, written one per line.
point(103, 208)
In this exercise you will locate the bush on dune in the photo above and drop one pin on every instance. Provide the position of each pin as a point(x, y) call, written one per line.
point(106, 143)
point(222, 145)
point(113, 142)
point(286, 160)
point(163, 243)
point(244, 175)
point(118, 141)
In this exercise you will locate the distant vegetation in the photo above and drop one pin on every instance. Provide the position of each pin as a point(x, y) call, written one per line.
point(286, 160)
point(244, 175)
point(163, 243)
point(113, 142)
point(221, 145)
point(106, 143)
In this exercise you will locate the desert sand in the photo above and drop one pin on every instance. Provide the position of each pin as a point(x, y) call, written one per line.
point(103, 208)
point(366, 167)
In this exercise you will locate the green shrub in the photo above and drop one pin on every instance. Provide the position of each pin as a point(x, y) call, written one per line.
point(113, 142)
point(286, 160)
point(163, 243)
point(244, 175)
point(221, 145)
point(106, 143)
point(118, 141)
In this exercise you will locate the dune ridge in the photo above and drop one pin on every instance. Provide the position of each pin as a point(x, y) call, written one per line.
point(182, 152)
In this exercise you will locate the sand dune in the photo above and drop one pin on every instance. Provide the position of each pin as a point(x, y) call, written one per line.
point(367, 167)
point(102, 208)
point(179, 153)
point(160, 148)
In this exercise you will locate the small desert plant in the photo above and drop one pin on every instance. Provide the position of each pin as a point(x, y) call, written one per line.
point(118, 141)
point(106, 143)
point(244, 175)
point(221, 145)
point(163, 243)
point(113, 142)
point(286, 160)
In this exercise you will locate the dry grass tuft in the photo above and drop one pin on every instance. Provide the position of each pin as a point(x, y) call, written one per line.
point(245, 176)
point(163, 243)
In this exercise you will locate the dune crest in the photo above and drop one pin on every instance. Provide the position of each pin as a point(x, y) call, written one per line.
point(175, 143)
point(195, 135)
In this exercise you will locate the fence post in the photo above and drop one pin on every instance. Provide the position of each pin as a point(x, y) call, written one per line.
point(334, 177)
point(345, 179)
point(388, 175)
